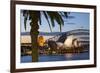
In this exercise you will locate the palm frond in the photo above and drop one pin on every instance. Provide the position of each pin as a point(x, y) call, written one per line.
point(39, 17)
point(55, 16)
point(46, 16)
point(66, 14)
point(51, 16)
point(25, 21)
point(25, 14)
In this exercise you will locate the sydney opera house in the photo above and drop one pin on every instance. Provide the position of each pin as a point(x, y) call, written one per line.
point(70, 39)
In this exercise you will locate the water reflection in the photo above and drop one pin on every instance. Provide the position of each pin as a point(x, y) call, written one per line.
point(63, 57)
point(69, 56)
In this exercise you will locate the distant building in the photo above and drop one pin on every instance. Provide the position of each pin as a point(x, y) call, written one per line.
point(73, 38)
point(81, 34)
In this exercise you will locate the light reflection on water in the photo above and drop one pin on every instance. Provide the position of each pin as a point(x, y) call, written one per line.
point(69, 55)
point(64, 57)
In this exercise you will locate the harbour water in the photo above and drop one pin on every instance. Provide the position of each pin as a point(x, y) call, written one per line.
point(63, 57)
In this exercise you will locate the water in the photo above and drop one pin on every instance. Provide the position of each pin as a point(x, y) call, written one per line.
point(65, 57)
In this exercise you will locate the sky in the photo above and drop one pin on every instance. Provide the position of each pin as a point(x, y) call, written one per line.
point(78, 20)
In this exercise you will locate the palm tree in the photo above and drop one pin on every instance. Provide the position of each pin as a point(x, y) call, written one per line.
point(35, 17)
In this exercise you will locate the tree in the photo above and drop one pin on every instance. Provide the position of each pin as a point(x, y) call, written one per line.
point(35, 17)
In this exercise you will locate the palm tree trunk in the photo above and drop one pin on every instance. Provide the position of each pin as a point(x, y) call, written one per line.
point(34, 35)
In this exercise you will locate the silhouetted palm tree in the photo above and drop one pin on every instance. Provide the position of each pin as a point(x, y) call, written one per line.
point(35, 17)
